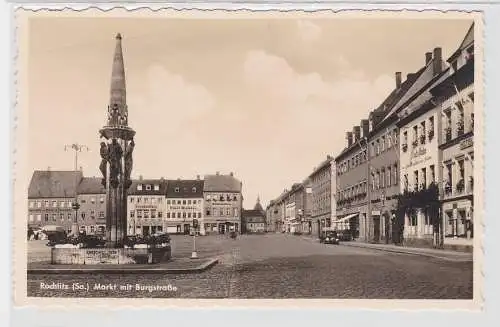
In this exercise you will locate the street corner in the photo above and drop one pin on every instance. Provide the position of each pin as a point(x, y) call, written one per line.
point(174, 266)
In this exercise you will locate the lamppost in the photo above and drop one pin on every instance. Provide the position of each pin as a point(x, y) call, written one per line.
point(75, 205)
point(194, 255)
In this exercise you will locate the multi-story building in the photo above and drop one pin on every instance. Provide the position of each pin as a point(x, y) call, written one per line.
point(254, 221)
point(384, 158)
point(456, 98)
point(223, 203)
point(352, 183)
point(419, 156)
point(184, 203)
point(91, 196)
point(271, 216)
point(146, 206)
point(50, 198)
point(321, 195)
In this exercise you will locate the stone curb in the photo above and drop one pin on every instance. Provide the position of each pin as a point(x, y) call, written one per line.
point(127, 270)
point(408, 251)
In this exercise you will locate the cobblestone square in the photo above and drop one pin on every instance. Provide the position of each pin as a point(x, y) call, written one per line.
point(281, 266)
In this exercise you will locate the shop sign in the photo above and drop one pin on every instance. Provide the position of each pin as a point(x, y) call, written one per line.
point(145, 206)
point(376, 213)
point(467, 143)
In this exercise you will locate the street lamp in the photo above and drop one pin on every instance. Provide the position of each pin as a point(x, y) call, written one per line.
point(194, 255)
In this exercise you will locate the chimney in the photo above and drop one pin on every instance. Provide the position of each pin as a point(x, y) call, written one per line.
point(217, 174)
point(140, 177)
point(437, 61)
point(81, 169)
point(231, 174)
point(356, 131)
point(197, 177)
point(349, 138)
point(428, 58)
point(364, 128)
point(398, 80)
point(408, 76)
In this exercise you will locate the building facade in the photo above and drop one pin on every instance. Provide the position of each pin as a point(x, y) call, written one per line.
point(352, 183)
point(184, 203)
point(254, 221)
point(223, 203)
point(456, 98)
point(146, 207)
point(419, 123)
point(50, 198)
point(321, 195)
point(91, 196)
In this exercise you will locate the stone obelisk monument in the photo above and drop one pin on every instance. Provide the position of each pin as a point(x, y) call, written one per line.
point(117, 145)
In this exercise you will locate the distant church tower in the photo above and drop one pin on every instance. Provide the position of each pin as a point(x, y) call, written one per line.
point(258, 206)
point(117, 145)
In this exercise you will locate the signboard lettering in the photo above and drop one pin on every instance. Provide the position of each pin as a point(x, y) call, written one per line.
point(467, 143)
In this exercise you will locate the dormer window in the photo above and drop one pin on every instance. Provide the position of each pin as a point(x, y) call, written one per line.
point(193, 189)
point(139, 187)
point(148, 187)
point(177, 190)
point(157, 187)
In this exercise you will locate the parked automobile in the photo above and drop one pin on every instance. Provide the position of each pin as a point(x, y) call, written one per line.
point(329, 237)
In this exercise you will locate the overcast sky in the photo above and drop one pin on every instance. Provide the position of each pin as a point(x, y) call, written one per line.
point(265, 99)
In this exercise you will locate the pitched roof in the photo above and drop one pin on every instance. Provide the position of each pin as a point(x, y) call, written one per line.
point(91, 185)
point(162, 187)
point(466, 42)
point(221, 183)
point(324, 164)
point(54, 184)
point(185, 188)
point(425, 76)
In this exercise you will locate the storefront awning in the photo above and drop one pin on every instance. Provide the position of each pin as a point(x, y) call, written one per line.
point(346, 217)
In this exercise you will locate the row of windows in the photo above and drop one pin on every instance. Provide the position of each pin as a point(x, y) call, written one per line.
point(461, 110)
point(50, 204)
point(148, 187)
point(146, 213)
point(353, 191)
point(421, 132)
point(218, 212)
point(221, 197)
point(384, 143)
point(352, 162)
point(61, 216)
point(147, 200)
point(184, 202)
point(385, 177)
point(421, 178)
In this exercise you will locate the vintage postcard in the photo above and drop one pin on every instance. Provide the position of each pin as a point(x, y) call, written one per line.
point(246, 158)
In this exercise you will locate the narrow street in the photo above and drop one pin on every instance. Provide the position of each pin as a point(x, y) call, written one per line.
point(287, 266)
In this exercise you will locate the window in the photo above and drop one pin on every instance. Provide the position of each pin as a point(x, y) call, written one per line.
point(153, 201)
point(160, 214)
point(131, 200)
point(382, 178)
point(92, 213)
point(415, 180)
point(153, 213)
point(199, 214)
point(132, 213)
point(432, 173)
point(157, 187)
point(389, 140)
point(207, 212)
point(193, 190)
point(160, 200)
point(405, 181)
point(38, 204)
point(382, 144)
point(101, 214)
point(46, 217)
point(389, 176)
point(54, 204)
point(146, 213)
point(178, 215)
point(83, 215)
point(148, 187)
point(184, 214)
point(413, 218)
point(32, 218)
point(139, 200)
point(92, 200)
point(101, 199)
point(415, 135)
point(422, 132)
point(189, 215)
point(32, 204)
point(179, 202)
point(146, 200)
point(39, 217)
point(184, 202)
point(54, 217)
point(189, 201)
point(46, 203)
point(139, 213)
point(176, 190)
point(405, 138)
point(424, 178)
point(61, 204)
point(168, 214)
point(139, 187)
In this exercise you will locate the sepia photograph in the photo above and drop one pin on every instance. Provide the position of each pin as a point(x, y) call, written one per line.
point(248, 155)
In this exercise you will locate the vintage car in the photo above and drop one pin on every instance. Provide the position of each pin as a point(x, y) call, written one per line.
point(329, 237)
